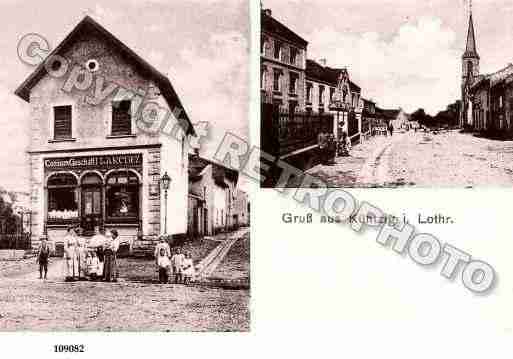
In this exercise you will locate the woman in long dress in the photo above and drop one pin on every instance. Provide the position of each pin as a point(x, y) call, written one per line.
point(70, 254)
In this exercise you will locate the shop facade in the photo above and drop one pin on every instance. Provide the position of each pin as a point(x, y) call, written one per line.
point(92, 164)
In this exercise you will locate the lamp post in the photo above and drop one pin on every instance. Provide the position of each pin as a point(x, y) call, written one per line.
point(166, 181)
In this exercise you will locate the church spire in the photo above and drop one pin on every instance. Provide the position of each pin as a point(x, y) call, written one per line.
point(471, 49)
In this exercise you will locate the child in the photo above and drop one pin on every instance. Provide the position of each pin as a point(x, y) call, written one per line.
point(42, 258)
point(188, 269)
point(177, 262)
point(163, 264)
point(92, 265)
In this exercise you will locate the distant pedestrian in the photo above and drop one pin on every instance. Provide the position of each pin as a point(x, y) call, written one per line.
point(108, 253)
point(344, 145)
point(42, 258)
point(391, 128)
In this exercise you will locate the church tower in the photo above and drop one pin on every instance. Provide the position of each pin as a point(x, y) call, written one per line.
point(470, 71)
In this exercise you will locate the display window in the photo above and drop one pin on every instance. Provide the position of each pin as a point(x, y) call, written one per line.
point(122, 197)
point(62, 198)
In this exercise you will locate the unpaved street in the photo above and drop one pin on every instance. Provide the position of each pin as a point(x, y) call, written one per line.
point(448, 159)
point(135, 303)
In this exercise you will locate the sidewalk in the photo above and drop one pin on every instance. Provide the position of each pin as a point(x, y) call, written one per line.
point(357, 170)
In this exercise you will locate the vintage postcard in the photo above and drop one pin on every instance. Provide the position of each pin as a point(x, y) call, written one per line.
point(352, 104)
point(115, 217)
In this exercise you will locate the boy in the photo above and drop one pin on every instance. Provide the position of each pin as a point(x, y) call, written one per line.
point(42, 258)
point(177, 262)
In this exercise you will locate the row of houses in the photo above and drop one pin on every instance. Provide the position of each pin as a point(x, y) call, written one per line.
point(216, 204)
point(293, 83)
point(487, 99)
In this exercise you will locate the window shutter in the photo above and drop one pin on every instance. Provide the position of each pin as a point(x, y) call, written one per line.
point(62, 122)
point(121, 118)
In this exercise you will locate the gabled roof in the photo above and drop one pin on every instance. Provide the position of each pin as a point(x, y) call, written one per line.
point(495, 78)
point(273, 26)
point(88, 25)
point(316, 71)
point(197, 164)
point(471, 48)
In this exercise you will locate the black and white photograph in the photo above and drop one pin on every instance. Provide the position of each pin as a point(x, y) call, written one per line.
point(399, 95)
point(114, 216)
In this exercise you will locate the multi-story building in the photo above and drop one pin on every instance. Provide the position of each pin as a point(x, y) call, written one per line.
point(283, 63)
point(92, 163)
point(212, 197)
point(368, 116)
point(241, 209)
point(331, 90)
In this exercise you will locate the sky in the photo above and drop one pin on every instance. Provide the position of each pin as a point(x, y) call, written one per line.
point(202, 46)
point(403, 53)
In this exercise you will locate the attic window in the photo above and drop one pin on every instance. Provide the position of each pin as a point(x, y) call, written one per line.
point(56, 65)
point(121, 118)
point(92, 65)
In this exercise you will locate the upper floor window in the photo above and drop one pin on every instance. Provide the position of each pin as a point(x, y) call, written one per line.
point(277, 50)
point(309, 92)
point(332, 94)
point(62, 122)
point(121, 118)
point(293, 55)
point(277, 80)
point(321, 95)
point(263, 44)
point(293, 83)
point(263, 75)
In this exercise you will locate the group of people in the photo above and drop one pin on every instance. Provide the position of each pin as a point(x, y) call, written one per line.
point(176, 265)
point(329, 147)
point(93, 259)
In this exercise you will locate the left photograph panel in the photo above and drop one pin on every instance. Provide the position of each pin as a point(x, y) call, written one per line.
point(114, 214)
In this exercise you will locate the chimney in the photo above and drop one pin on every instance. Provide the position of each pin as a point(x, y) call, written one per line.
point(268, 12)
point(322, 62)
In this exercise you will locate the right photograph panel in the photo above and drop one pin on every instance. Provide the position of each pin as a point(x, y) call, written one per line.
point(362, 95)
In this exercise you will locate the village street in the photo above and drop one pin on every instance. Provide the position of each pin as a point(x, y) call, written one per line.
point(136, 302)
point(422, 159)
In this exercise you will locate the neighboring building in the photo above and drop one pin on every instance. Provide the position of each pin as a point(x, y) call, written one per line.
point(470, 73)
point(90, 163)
point(486, 98)
point(283, 63)
point(212, 193)
point(368, 116)
point(241, 209)
point(331, 90)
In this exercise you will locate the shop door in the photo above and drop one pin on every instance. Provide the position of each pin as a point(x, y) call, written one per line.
point(91, 204)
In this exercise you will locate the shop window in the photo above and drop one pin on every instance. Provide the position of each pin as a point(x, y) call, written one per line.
point(62, 122)
point(121, 118)
point(62, 198)
point(122, 197)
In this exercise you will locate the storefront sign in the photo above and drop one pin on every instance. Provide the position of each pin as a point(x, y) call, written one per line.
point(133, 160)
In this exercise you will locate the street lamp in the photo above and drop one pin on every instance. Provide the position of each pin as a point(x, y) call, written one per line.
point(166, 181)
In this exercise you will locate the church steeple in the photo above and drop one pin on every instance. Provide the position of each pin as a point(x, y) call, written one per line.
point(471, 49)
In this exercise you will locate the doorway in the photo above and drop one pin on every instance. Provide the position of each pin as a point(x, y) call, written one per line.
point(92, 204)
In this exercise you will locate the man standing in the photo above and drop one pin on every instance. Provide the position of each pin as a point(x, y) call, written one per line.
point(42, 257)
